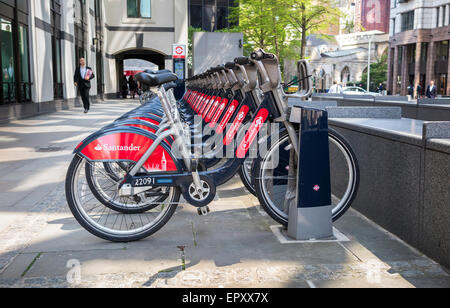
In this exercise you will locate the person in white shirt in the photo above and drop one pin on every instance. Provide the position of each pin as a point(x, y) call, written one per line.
point(431, 90)
point(336, 88)
point(82, 78)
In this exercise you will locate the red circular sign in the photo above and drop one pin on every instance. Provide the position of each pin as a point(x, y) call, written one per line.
point(179, 50)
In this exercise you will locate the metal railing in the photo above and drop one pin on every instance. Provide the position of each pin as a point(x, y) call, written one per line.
point(13, 92)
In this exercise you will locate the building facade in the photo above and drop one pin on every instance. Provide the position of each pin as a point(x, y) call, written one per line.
point(364, 15)
point(419, 45)
point(42, 42)
point(341, 58)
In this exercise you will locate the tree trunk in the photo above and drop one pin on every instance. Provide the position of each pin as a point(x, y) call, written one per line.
point(303, 48)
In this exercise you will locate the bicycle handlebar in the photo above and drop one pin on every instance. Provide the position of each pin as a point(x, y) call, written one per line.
point(242, 61)
point(230, 65)
point(261, 55)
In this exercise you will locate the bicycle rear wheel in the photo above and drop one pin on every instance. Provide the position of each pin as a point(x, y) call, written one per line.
point(106, 223)
point(104, 178)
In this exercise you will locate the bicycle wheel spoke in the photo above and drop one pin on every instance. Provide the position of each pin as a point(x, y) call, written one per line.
point(101, 206)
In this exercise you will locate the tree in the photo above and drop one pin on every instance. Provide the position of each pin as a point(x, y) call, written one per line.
point(308, 16)
point(190, 59)
point(378, 73)
point(262, 23)
point(282, 26)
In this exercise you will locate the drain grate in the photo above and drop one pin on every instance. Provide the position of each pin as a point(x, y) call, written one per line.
point(49, 149)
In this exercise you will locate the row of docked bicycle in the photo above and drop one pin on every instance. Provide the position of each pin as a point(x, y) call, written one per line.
point(126, 180)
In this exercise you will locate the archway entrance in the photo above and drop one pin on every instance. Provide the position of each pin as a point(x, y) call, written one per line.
point(156, 58)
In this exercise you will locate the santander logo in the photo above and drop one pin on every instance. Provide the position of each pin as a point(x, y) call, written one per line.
point(259, 122)
point(110, 148)
point(246, 145)
point(241, 116)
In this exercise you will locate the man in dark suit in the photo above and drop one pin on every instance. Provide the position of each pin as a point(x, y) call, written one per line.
point(431, 90)
point(82, 78)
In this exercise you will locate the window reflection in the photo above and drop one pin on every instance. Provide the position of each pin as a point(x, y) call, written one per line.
point(211, 15)
point(139, 8)
point(7, 59)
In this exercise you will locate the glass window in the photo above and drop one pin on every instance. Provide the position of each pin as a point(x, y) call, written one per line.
point(139, 8)
point(400, 56)
point(222, 18)
point(196, 16)
point(80, 31)
point(145, 9)
point(56, 48)
point(442, 51)
point(25, 92)
point(98, 9)
point(132, 6)
point(23, 53)
point(209, 18)
point(437, 17)
point(7, 61)
point(408, 21)
point(424, 52)
point(212, 15)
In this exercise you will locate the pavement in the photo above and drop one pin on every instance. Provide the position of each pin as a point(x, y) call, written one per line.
point(237, 245)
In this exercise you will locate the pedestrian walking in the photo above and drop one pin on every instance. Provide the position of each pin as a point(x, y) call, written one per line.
point(124, 87)
point(82, 79)
point(133, 86)
point(419, 91)
point(380, 88)
point(411, 90)
point(431, 90)
point(336, 88)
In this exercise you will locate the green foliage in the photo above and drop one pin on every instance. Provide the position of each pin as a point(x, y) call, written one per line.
point(378, 73)
point(191, 32)
point(281, 26)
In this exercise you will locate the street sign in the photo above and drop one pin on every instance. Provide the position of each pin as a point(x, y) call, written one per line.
point(179, 51)
point(179, 68)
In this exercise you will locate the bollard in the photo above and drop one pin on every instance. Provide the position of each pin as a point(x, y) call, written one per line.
point(310, 216)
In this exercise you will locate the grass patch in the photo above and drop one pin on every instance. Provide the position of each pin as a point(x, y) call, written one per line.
point(31, 264)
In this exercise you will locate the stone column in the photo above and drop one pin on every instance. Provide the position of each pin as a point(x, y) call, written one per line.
point(419, 15)
point(394, 77)
point(390, 70)
point(441, 16)
point(417, 67)
point(404, 71)
point(431, 61)
point(447, 15)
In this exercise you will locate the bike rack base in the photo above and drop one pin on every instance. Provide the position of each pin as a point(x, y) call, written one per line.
point(310, 223)
point(280, 233)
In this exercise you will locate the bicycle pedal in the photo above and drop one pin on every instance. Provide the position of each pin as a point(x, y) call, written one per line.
point(204, 211)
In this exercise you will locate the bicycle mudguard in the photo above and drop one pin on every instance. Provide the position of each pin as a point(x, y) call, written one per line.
point(147, 118)
point(128, 144)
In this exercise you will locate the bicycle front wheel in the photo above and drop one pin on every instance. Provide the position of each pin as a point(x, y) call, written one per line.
point(271, 177)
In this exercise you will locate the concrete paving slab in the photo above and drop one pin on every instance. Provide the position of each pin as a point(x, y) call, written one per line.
point(234, 246)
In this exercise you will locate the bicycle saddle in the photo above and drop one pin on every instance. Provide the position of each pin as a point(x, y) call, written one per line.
point(170, 85)
point(154, 80)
